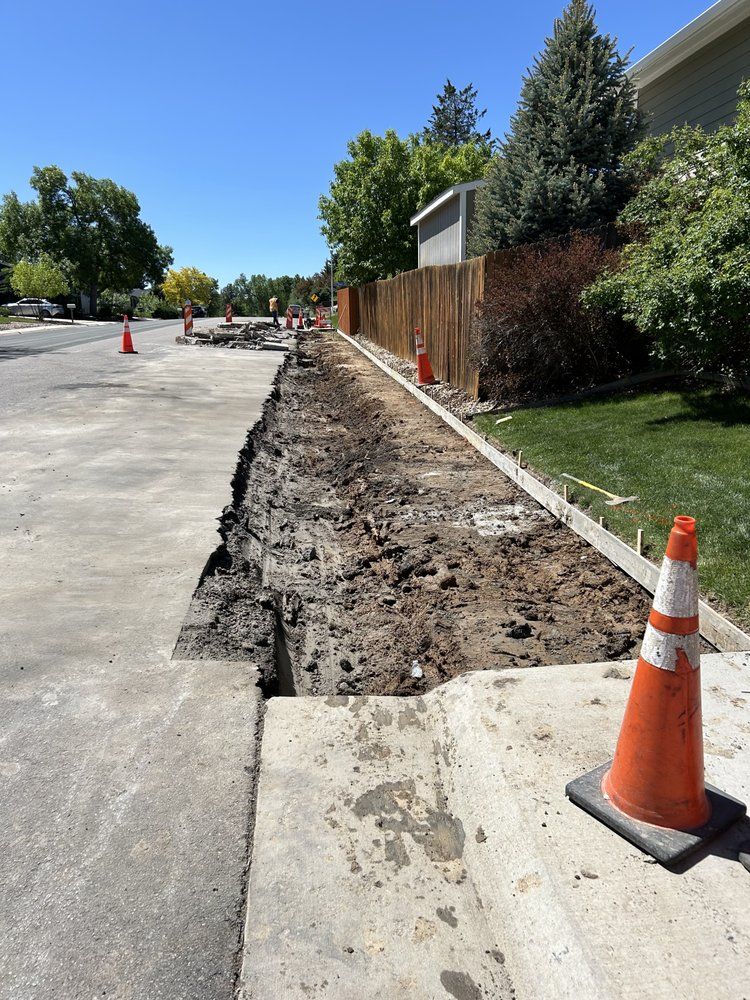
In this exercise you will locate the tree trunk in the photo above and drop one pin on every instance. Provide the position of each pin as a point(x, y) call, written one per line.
point(93, 300)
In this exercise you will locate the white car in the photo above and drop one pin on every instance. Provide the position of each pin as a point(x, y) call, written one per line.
point(35, 307)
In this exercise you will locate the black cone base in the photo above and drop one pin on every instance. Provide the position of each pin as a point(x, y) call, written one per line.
point(667, 846)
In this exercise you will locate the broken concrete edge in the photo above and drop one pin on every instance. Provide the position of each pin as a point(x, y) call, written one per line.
point(718, 630)
point(238, 483)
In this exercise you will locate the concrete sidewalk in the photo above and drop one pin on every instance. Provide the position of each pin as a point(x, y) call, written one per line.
point(126, 775)
point(424, 848)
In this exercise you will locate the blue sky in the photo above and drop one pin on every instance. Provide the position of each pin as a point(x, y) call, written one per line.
point(225, 118)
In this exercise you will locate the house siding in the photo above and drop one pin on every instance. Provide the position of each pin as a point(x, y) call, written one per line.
point(703, 89)
point(440, 235)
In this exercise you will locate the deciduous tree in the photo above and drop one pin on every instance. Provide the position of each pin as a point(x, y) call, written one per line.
point(94, 224)
point(188, 283)
point(377, 189)
point(684, 280)
point(38, 279)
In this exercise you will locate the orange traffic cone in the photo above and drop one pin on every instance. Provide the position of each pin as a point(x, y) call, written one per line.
point(424, 368)
point(653, 792)
point(127, 340)
point(301, 321)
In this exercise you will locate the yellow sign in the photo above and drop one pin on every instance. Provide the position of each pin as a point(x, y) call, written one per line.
point(314, 297)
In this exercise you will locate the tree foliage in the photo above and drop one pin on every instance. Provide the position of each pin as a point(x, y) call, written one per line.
point(455, 118)
point(38, 279)
point(685, 280)
point(188, 283)
point(250, 296)
point(366, 216)
point(93, 225)
point(377, 189)
point(561, 166)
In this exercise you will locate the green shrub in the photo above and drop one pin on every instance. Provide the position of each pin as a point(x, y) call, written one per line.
point(4, 311)
point(685, 280)
point(147, 304)
point(114, 305)
point(165, 310)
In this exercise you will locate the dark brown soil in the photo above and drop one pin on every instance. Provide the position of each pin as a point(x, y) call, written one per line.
point(368, 542)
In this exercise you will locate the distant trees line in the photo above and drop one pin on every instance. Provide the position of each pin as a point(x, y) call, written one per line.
point(81, 233)
point(250, 295)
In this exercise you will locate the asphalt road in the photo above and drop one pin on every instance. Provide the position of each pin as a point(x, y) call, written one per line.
point(59, 337)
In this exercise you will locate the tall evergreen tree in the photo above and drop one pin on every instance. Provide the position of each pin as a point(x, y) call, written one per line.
point(455, 117)
point(560, 167)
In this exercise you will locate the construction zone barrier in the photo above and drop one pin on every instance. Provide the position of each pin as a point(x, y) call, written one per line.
point(322, 318)
point(228, 313)
point(424, 368)
point(127, 340)
point(653, 792)
point(289, 320)
point(188, 318)
point(301, 320)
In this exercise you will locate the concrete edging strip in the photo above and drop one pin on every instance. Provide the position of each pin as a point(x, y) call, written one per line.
point(720, 632)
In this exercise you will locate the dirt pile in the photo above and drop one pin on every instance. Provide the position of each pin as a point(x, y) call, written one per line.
point(371, 550)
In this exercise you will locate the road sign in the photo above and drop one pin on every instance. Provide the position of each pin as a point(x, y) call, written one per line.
point(314, 297)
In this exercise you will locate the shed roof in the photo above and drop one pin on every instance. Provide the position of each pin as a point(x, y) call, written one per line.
point(445, 196)
point(704, 29)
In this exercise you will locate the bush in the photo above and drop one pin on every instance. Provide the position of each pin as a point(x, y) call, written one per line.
point(147, 304)
point(114, 305)
point(4, 311)
point(165, 310)
point(686, 278)
point(533, 335)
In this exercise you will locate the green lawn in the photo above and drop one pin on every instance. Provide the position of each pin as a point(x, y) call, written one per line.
point(680, 452)
point(18, 320)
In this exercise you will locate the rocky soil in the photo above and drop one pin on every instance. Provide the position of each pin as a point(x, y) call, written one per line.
point(371, 550)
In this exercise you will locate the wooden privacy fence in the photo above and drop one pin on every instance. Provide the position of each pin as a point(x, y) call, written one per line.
point(441, 300)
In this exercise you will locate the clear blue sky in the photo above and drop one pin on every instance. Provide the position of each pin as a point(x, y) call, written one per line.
point(225, 118)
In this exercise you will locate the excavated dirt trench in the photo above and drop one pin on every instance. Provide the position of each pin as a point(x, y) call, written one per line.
point(371, 550)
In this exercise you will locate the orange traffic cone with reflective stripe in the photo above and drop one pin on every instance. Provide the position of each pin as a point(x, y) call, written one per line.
point(653, 792)
point(424, 368)
point(301, 321)
point(127, 340)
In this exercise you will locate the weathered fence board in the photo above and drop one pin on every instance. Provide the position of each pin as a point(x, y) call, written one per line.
point(348, 302)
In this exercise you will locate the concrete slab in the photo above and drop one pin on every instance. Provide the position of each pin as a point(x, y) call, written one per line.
point(127, 776)
point(570, 909)
point(358, 886)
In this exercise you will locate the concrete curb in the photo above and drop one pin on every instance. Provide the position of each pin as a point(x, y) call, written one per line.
point(720, 632)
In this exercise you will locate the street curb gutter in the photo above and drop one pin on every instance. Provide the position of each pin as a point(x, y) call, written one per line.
point(720, 632)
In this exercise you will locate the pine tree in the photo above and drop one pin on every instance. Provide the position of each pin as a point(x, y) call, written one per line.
point(560, 167)
point(454, 118)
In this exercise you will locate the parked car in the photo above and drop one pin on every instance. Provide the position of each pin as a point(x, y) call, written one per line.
point(199, 311)
point(35, 307)
point(296, 309)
